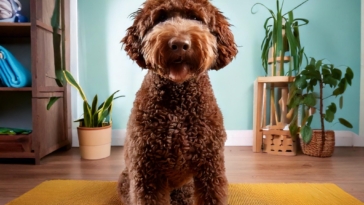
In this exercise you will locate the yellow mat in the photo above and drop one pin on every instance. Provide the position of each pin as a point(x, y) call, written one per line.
point(74, 192)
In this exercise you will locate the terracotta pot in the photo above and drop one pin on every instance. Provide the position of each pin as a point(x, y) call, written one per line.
point(314, 147)
point(95, 142)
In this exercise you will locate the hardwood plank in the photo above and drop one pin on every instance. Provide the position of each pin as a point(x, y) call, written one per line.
point(16, 89)
point(242, 166)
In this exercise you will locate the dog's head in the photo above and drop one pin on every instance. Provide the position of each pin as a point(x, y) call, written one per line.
point(180, 39)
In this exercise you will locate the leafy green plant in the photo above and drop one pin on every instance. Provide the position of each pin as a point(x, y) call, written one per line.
point(302, 96)
point(93, 115)
point(273, 26)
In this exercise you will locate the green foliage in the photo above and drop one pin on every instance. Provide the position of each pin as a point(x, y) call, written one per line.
point(306, 133)
point(273, 27)
point(302, 95)
point(93, 116)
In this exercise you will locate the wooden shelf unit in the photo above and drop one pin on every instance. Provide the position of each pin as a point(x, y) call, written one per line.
point(32, 44)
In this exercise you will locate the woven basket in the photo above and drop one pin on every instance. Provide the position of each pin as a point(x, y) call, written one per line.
point(313, 148)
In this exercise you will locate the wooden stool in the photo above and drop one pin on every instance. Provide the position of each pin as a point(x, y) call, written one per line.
point(278, 113)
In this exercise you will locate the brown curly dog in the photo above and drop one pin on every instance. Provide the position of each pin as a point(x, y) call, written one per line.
point(174, 150)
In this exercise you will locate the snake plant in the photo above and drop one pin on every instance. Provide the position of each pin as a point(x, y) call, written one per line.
point(273, 26)
point(93, 115)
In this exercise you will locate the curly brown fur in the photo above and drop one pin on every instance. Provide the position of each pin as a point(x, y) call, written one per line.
point(175, 134)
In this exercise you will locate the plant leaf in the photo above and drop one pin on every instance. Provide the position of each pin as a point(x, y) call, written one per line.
point(309, 120)
point(341, 102)
point(345, 123)
point(265, 52)
point(87, 114)
point(73, 82)
point(52, 100)
point(318, 64)
point(294, 102)
point(306, 134)
point(329, 115)
point(349, 73)
point(104, 110)
point(348, 79)
point(296, 7)
point(313, 82)
point(94, 105)
point(326, 71)
point(293, 129)
point(57, 43)
point(341, 89)
point(309, 100)
point(332, 107)
point(313, 63)
point(336, 73)
point(300, 81)
point(94, 112)
point(330, 81)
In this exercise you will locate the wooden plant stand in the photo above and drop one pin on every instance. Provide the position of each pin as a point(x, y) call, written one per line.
point(272, 138)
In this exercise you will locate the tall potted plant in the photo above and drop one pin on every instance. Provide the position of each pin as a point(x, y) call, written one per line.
point(321, 142)
point(94, 131)
point(281, 35)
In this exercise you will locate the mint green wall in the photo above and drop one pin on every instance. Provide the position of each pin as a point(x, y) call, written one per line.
point(333, 33)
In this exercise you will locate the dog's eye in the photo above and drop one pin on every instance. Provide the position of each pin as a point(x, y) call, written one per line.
point(195, 18)
point(162, 16)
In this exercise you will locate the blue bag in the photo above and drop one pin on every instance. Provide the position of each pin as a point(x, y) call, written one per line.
point(12, 72)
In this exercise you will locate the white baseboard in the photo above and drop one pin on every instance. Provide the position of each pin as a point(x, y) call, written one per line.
point(241, 138)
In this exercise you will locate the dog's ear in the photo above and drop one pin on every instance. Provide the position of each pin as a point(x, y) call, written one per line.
point(132, 40)
point(226, 46)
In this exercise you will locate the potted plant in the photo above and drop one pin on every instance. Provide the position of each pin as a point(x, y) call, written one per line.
point(321, 142)
point(281, 35)
point(94, 131)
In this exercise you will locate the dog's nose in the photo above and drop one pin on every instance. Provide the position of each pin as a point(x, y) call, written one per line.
point(179, 44)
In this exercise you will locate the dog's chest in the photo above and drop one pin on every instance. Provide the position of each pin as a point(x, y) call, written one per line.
point(178, 126)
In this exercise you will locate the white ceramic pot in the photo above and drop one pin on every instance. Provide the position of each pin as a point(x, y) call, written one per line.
point(95, 142)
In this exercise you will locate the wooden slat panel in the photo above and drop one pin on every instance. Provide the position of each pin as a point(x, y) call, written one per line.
point(45, 11)
point(15, 143)
point(49, 126)
point(45, 71)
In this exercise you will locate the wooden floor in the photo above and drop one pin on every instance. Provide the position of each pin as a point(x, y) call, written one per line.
point(345, 169)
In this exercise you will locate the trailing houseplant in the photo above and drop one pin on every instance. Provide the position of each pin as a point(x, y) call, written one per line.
point(317, 74)
point(281, 35)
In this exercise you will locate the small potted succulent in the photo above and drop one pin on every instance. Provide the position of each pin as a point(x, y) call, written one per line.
point(94, 131)
point(317, 74)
